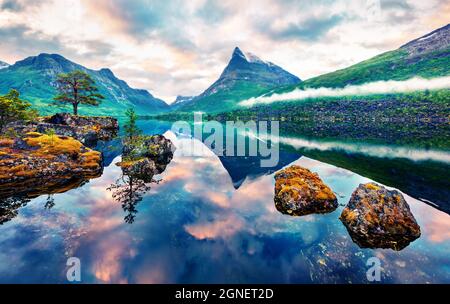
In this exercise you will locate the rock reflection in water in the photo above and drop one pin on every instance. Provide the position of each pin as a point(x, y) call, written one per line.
point(143, 161)
point(9, 207)
point(13, 197)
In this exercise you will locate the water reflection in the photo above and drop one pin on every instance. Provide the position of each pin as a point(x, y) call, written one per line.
point(129, 191)
point(422, 174)
point(9, 207)
point(138, 175)
point(196, 227)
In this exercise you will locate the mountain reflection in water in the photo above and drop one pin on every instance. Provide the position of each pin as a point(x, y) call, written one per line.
point(196, 226)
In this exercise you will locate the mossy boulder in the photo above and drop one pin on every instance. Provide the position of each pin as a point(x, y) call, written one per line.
point(41, 162)
point(146, 156)
point(299, 192)
point(377, 217)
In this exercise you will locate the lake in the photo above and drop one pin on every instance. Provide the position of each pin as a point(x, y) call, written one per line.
point(212, 219)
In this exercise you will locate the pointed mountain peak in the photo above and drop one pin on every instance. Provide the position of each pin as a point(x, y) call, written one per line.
point(237, 52)
point(248, 57)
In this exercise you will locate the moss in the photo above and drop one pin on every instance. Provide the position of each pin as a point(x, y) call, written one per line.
point(53, 144)
point(372, 186)
point(45, 160)
point(298, 191)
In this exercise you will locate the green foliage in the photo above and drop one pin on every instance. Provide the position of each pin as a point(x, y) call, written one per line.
point(225, 100)
point(12, 108)
point(51, 134)
point(393, 65)
point(130, 127)
point(77, 88)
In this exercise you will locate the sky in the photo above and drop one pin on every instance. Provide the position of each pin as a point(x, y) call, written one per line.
point(181, 47)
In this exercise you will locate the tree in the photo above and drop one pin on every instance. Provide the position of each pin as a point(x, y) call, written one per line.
point(77, 88)
point(131, 130)
point(12, 108)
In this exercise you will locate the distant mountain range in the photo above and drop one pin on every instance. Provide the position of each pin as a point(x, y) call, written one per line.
point(181, 100)
point(35, 78)
point(245, 75)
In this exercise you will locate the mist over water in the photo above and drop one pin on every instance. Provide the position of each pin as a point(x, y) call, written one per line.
point(373, 150)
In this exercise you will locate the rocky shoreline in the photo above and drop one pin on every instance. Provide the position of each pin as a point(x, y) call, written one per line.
point(86, 129)
point(52, 154)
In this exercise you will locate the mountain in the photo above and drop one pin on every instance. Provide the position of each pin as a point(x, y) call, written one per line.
point(242, 169)
point(3, 65)
point(181, 100)
point(35, 78)
point(427, 56)
point(245, 76)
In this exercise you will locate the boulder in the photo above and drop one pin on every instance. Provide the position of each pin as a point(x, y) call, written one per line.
point(105, 127)
point(88, 130)
point(156, 147)
point(299, 192)
point(145, 157)
point(103, 122)
point(377, 217)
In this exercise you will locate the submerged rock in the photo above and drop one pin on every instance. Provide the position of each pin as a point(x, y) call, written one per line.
point(379, 218)
point(38, 164)
point(299, 192)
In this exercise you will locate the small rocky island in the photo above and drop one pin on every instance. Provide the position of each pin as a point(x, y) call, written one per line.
point(376, 217)
point(51, 154)
point(146, 157)
point(300, 192)
point(143, 157)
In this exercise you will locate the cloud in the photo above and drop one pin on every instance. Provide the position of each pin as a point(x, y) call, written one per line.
point(180, 47)
point(310, 30)
point(11, 5)
point(21, 40)
point(377, 87)
point(212, 12)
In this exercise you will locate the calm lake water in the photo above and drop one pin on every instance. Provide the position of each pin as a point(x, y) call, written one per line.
point(213, 220)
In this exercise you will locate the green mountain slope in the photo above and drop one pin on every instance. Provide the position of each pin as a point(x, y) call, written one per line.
point(34, 78)
point(245, 76)
point(427, 57)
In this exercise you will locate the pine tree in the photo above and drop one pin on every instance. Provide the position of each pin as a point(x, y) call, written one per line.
point(77, 88)
point(131, 129)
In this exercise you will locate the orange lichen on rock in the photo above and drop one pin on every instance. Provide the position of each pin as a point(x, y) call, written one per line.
point(379, 218)
point(298, 191)
point(53, 144)
point(38, 158)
